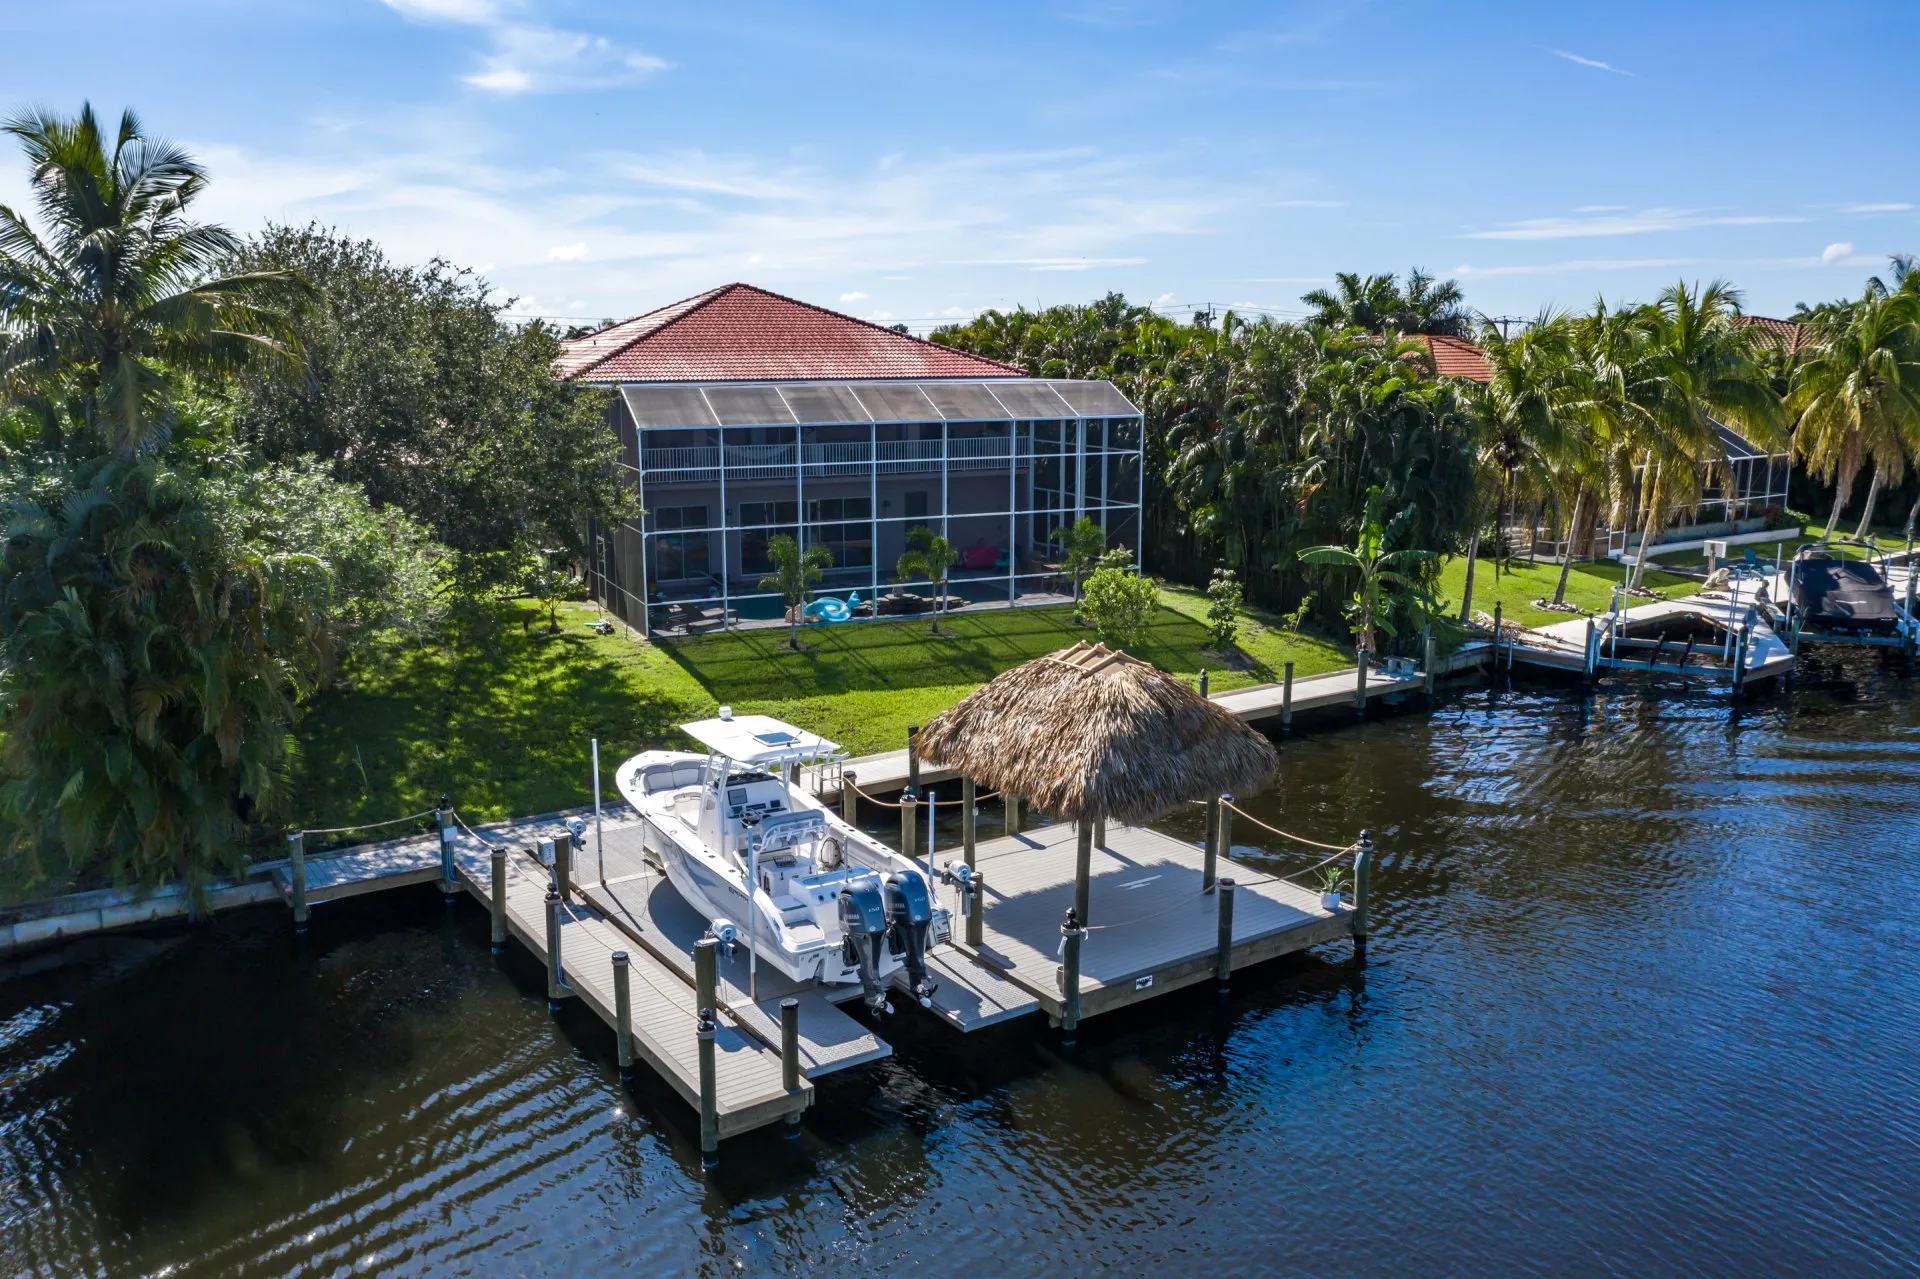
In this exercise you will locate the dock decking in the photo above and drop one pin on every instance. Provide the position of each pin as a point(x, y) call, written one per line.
point(1150, 930)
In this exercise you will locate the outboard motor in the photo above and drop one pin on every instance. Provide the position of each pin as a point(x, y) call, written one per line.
point(863, 922)
point(909, 915)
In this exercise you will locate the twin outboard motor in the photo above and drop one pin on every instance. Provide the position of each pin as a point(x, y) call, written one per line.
point(863, 922)
point(909, 916)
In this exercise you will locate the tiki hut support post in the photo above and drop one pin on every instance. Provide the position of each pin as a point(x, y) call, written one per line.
point(1100, 832)
point(1212, 858)
point(1013, 811)
point(1082, 867)
point(968, 835)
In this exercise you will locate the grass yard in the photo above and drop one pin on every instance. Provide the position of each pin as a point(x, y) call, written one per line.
point(499, 717)
point(1888, 540)
point(1588, 588)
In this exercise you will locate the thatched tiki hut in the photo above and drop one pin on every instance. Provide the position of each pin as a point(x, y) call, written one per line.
point(1089, 734)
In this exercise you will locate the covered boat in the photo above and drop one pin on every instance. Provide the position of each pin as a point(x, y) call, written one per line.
point(776, 870)
point(1832, 593)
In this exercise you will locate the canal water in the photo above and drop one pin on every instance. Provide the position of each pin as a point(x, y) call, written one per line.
point(1642, 1000)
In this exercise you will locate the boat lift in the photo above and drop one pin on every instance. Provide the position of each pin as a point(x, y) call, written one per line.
point(1611, 645)
point(1830, 599)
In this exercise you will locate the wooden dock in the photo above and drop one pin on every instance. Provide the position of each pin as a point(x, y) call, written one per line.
point(1564, 645)
point(1151, 928)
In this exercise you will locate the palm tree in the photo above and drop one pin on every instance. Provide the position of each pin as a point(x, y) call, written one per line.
point(1357, 302)
point(1856, 398)
point(1524, 419)
point(930, 556)
point(119, 287)
point(1427, 306)
point(1380, 570)
point(1602, 344)
point(794, 573)
point(1081, 543)
point(1698, 368)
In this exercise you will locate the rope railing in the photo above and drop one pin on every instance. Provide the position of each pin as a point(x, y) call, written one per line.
point(937, 803)
point(396, 821)
point(1338, 850)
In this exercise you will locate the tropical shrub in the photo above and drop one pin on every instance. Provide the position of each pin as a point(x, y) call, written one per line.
point(1224, 598)
point(1117, 601)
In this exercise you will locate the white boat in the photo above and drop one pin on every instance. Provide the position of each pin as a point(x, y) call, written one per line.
point(774, 868)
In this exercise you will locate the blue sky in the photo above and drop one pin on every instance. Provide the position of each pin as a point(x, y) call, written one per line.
point(916, 162)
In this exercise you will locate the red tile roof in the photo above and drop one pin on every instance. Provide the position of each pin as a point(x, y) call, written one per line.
point(739, 333)
point(1788, 335)
point(1456, 357)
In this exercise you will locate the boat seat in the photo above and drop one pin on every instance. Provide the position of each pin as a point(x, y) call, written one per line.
point(792, 909)
point(659, 777)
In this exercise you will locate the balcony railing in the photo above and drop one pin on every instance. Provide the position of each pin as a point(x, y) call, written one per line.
point(701, 465)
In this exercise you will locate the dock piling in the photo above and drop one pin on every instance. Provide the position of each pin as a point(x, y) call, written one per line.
point(556, 978)
point(1362, 877)
point(1590, 654)
point(1222, 845)
point(969, 836)
point(1286, 700)
point(977, 909)
point(1203, 683)
point(706, 997)
point(913, 760)
point(790, 1059)
point(1426, 664)
point(1223, 946)
point(849, 799)
point(909, 811)
point(563, 864)
point(623, 1013)
point(1071, 934)
point(498, 933)
point(1360, 683)
point(449, 880)
point(1499, 629)
point(297, 875)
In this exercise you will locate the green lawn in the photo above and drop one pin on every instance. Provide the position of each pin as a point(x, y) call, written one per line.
point(499, 717)
point(1588, 587)
point(1888, 540)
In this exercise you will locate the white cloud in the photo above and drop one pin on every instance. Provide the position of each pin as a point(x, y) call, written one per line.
point(1595, 63)
point(529, 58)
point(1836, 251)
point(1468, 271)
point(1891, 206)
point(855, 296)
point(1646, 222)
point(615, 233)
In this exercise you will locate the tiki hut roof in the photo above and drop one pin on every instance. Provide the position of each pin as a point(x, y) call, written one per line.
point(1088, 733)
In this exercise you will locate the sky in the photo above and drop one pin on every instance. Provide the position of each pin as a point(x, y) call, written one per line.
point(920, 163)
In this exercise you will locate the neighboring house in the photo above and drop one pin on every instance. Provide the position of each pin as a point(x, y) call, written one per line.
point(744, 414)
point(1734, 495)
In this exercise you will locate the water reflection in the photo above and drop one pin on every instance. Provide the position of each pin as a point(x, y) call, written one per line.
point(1639, 1000)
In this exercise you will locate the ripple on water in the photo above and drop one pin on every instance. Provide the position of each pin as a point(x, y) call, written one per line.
point(1640, 1002)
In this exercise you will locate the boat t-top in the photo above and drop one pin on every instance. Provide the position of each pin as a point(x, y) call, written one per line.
point(770, 865)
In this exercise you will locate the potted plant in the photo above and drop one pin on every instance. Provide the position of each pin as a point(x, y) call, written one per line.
point(1332, 879)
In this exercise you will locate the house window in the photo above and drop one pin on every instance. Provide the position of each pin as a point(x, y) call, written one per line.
point(761, 521)
point(840, 524)
point(916, 505)
point(671, 517)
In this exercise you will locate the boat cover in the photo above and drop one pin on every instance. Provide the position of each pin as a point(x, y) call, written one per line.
point(1851, 595)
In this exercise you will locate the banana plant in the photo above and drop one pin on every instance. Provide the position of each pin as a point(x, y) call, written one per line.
point(1381, 572)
